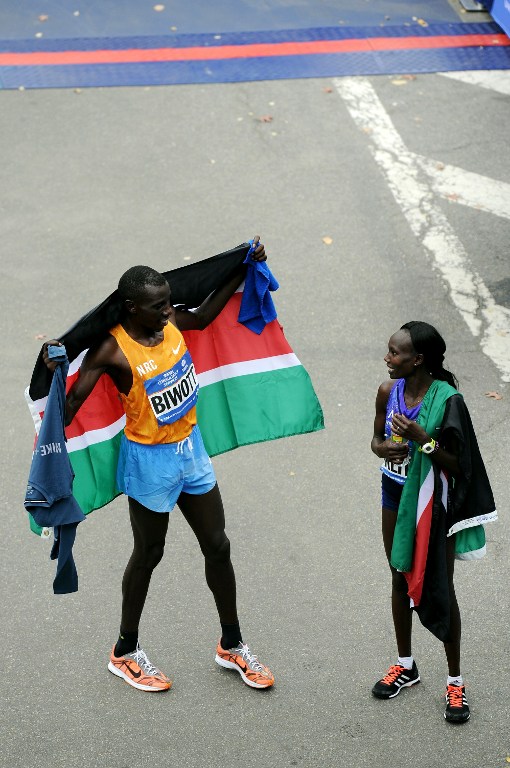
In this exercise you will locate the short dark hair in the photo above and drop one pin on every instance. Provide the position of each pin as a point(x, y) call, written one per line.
point(134, 281)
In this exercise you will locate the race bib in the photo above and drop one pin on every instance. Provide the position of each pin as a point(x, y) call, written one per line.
point(172, 393)
point(396, 470)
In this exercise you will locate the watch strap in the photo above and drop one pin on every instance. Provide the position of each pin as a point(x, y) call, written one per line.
point(433, 443)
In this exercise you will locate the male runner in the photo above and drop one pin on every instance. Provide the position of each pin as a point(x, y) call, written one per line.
point(163, 461)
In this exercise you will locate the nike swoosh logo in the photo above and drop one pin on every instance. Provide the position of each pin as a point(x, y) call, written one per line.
point(178, 348)
point(241, 664)
point(132, 671)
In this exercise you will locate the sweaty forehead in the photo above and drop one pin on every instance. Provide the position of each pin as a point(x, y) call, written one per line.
point(401, 340)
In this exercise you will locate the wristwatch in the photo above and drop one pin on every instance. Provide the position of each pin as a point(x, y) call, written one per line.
point(431, 447)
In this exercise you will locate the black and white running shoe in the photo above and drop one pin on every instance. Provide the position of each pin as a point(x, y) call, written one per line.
point(457, 710)
point(396, 678)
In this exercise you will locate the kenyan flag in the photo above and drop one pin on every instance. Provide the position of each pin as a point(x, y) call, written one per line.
point(252, 387)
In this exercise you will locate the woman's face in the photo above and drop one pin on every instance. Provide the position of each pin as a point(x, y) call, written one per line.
point(401, 358)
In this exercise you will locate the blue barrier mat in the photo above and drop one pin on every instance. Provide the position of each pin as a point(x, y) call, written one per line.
point(400, 43)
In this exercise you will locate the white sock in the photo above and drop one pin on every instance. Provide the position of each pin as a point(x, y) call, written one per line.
point(406, 661)
point(457, 680)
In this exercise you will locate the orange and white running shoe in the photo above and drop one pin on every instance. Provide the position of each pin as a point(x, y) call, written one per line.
point(243, 661)
point(136, 669)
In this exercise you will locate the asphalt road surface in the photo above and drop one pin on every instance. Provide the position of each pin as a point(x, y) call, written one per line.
point(98, 180)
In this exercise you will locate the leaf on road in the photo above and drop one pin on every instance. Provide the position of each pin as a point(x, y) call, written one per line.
point(327, 240)
point(327, 90)
point(403, 79)
point(494, 395)
point(40, 336)
point(266, 119)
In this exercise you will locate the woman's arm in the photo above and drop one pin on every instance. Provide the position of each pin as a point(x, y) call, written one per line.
point(385, 449)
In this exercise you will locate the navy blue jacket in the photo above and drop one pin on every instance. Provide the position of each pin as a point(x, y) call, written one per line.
point(49, 496)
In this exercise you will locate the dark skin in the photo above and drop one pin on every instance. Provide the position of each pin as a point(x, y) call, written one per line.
point(144, 320)
point(405, 363)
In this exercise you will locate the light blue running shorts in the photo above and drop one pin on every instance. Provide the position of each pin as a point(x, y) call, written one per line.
point(155, 475)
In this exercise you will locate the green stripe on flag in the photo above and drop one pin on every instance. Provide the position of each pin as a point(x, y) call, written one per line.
point(95, 468)
point(257, 407)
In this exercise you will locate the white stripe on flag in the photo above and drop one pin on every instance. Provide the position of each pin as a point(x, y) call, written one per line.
point(426, 493)
point(261, 365)
point(73, 367)
point(444, 489)
point(94, 436)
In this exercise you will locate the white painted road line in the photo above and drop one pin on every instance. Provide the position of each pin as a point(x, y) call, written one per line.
point(495, 80)
point(415, 195)
point(467, 188)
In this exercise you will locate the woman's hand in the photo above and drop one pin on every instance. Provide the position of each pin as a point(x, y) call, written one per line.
point(409, 430)
point(392, 451)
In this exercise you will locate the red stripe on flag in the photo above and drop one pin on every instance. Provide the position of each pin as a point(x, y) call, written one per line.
point(226, 341)
point(416, 575)
point(258, 50)
point(101, 408)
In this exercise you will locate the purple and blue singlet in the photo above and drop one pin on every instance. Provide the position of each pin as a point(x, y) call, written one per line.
point(396, 404)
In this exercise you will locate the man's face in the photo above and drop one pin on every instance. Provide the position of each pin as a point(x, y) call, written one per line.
point(154, 309)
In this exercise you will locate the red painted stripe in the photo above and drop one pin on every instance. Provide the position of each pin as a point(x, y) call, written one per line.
point(259, 50)
point(226, 341)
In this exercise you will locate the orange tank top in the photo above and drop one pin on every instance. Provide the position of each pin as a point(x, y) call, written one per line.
point(161, 404)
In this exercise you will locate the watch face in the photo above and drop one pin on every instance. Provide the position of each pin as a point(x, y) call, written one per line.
point(428, 447)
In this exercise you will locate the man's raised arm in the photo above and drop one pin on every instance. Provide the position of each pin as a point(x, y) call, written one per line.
point(211, 307)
